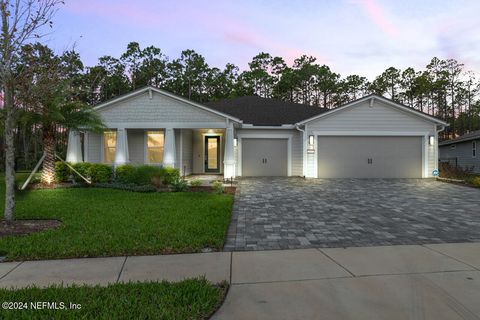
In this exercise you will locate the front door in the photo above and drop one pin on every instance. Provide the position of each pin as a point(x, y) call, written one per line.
point(212, 154)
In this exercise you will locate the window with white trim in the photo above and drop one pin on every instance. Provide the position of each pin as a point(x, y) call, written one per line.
point(155, 143)
point(109, 146)
point(474, 149)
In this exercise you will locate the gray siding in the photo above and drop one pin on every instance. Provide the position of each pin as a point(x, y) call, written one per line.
point(159, 108)
point(378, 118)
point(463, 153)
point(136, 146)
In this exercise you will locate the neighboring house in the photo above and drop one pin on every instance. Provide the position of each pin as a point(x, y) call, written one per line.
point(462, 151)
point(372, 137)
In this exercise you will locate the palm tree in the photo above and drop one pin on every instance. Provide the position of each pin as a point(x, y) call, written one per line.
point(48, 95)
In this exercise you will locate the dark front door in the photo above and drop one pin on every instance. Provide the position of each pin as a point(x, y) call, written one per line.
point(212, 154)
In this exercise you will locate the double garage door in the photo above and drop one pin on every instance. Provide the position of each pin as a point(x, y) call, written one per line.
point(369, 157)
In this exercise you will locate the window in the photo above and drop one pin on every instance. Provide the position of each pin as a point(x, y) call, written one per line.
point(109, 146)
point(155, 140)
point(474, 149)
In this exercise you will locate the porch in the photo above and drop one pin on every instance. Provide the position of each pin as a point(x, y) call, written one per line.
point(194, 151)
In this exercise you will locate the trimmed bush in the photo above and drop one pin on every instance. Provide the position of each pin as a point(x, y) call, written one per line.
point(143, 174)
point(83, 168)
point(170, 175)
point(475, 181)
point(100, 172)
point(123, 173)
point(62, 172)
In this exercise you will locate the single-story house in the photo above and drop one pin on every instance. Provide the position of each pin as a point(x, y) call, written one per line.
point(372, 137)
point(462, 151)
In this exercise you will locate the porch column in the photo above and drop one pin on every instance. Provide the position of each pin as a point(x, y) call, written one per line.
point(229, 156)
point(169, 148)
point(74, 148)
point(121, 147)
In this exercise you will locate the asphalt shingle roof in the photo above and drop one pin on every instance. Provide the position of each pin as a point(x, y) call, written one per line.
point(265, 112)
point(466, 137)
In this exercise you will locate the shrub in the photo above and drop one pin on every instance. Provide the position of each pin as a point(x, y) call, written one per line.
point(218, 187)
point(156, 180)
point(123, 173)
point(142, 175)
point(454, 172)
point(83, 168)
point(196, 182)
point(179, 185)
point(62, 172)
point(475, 181)
point(100, 172)
point(170, 175)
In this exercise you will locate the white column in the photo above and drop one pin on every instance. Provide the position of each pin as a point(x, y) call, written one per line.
point(169, 148)
point(121, 147)
point(229, 156)
point(74, 148)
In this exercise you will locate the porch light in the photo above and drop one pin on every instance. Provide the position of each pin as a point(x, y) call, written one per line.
point(311, 140)
point(235, 142)
point(431, 140)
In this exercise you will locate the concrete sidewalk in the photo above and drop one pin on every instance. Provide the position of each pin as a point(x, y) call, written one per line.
point(440, 281)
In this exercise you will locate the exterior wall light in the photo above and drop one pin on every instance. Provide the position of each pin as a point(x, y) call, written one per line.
point(431, 140)
point(235, 142)
point(311, 140)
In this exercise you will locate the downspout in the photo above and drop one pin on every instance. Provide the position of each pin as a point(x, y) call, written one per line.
point(304, 146)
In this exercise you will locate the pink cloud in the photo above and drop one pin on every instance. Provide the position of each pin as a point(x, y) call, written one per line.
point(379, 16)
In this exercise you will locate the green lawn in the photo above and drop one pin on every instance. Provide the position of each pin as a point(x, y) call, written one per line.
point(189, 299)
point(107, 222)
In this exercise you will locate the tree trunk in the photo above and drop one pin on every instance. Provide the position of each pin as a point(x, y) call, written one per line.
point(9, 154)
point(48, 171)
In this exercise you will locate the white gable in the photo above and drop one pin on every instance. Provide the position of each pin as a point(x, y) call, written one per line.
point(379, 116)
point(152, 106)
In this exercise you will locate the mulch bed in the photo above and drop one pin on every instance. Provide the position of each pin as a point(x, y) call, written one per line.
point(23, 227)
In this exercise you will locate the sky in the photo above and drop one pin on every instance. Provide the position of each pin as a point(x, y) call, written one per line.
point(350, 36)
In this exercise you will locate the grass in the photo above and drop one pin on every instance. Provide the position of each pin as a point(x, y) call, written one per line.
point(107, 222)
point(189, 299)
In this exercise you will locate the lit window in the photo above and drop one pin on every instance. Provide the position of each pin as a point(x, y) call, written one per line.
point(155, 140)
point(109, 146)
point(474, 149)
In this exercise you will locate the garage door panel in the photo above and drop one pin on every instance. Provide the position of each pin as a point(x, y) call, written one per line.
point(264, 157)
point(348, 157)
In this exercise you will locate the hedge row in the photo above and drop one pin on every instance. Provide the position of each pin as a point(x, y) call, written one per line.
point(125, 174)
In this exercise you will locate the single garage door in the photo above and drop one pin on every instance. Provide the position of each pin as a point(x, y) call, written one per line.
point(264, 157)
point(369, 157)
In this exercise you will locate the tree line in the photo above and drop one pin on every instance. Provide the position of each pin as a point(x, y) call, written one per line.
point(443, 88)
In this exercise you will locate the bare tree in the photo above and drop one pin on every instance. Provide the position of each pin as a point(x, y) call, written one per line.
point(22, 21)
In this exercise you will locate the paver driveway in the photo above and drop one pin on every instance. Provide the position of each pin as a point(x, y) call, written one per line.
point(281, 213)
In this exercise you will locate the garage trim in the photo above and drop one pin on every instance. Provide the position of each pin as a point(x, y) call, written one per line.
point(424, 136)
point(245, 135)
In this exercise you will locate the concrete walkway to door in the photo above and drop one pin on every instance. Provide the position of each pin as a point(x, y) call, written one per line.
point(439, 281)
